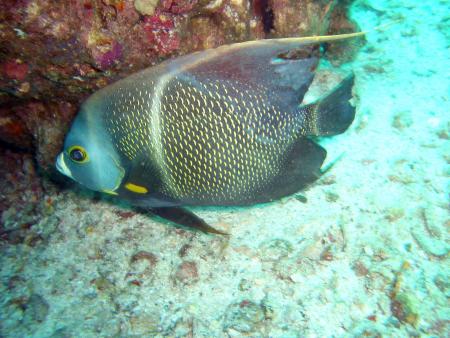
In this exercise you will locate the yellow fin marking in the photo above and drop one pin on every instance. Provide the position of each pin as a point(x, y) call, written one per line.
point(110, 192)
point(138, 189)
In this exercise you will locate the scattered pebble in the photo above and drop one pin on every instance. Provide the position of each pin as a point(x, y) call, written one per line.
point(36, 308)
point(145, 324)
point(402, 120)
point(360, 269)
point(102, 284)
point(275, 249)
point(331, 196)
point(244, 317)
point(187, 272)
point(403, 309)
point(301, 198)
point(146, 7)
point(145, 255)
point(245, 285)
point(394, 214)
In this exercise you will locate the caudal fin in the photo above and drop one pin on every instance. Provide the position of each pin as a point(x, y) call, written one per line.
point(334, 113)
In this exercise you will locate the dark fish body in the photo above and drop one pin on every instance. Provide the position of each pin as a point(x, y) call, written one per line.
point(220, 127)
point(197, 133)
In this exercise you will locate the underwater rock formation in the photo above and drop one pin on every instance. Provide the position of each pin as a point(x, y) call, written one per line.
point(54, 54)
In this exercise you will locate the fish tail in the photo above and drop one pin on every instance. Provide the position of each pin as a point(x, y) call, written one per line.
point(333, 114)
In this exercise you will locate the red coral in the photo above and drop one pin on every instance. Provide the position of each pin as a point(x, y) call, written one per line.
point(107, 59)
point(87, 5)
point(13, 130)
point(258, 7)
point(178, 6)
point(161, 34)
point(15, 69)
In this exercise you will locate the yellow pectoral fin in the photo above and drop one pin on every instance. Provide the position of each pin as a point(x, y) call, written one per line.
point(138, 189)
point(111, 192)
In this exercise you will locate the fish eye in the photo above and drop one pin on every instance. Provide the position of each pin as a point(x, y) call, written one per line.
point(78, 154)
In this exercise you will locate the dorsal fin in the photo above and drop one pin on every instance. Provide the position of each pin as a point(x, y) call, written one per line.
point(248, 50)
point(265, 64)
point(272, 48)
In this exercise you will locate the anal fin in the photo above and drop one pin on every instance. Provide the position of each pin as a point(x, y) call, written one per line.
point(301, 168)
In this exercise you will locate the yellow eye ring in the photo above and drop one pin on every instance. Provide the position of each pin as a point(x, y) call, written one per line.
point(78, 154)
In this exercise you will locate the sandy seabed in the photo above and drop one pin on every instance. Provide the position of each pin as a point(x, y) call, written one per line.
point(364, 252)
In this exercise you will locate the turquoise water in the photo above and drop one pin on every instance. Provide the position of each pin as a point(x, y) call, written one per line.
point(366, 255)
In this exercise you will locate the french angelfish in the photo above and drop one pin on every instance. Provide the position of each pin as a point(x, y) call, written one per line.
point(224, 126)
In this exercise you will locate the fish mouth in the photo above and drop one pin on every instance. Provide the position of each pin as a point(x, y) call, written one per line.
point(62, 167)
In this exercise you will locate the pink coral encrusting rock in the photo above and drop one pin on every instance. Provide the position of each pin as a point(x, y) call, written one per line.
point(57, 53)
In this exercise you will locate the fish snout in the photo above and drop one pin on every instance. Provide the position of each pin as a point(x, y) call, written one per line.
point(62, 166)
